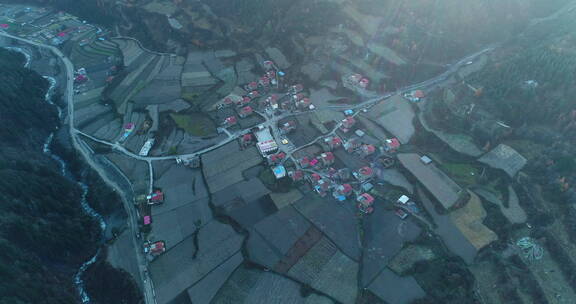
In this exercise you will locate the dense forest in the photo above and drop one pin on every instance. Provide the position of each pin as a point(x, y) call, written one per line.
point(44, 233)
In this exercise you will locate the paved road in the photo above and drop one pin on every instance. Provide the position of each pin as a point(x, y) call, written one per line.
point(133, 217)
point(270, 122)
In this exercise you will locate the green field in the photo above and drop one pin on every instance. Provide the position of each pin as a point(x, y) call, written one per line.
point(463, 174)
point(194, 124)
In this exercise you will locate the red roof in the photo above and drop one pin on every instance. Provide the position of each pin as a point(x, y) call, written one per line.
point(313, 162)
point(157, 247)
point(157, 196)
point(304, 161)
point(228, 100)
point(336, 141)
point(277, 157)
point(253, 85)
point(316, 177)
point(254, 94)
point(147, 220)
point(264, 80)
point(268, 64)
point(366, 199)
point(129, 126)
point(245, 99)
point(346, 188)
point(231, 120)
point(4, 25)
point(369, 149)
point(366, 171)
point(247, 110)
point(61, 34)
point(348, 121)
point(271, 74)
point(418, 94)
point(297, 175)
point(305, 102)
point(394, 143)
point(329, 156)
point(247, 137)
point(298, 96)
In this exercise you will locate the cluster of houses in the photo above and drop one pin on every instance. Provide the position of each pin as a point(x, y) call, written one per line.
point(259, 96)
point(144, 202)
point(355, 82)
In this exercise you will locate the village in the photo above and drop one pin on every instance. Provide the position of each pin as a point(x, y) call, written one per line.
point(236, 160)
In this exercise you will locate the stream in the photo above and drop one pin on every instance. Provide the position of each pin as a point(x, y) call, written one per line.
point(64, 171)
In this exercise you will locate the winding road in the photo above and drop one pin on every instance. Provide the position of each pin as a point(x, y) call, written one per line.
point(272, 122)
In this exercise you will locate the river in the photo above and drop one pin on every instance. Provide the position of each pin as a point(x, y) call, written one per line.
point(64, 171)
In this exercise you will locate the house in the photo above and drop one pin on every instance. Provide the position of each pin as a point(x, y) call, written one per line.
point(279, 171)
point(367, 150)
point(271, 75)
point(392, 144)
point(314, 178)
point(366, 187)
point(254, 94)
point(323, 186)
point(352, 144)
point(272, 100)
point(246, 140)
point(314, 163)
point(347, 124)
point(363, 83)
point(297, 97)
point(327, 158)
point(359, 133)
point(343, 190)
point(155, 248)
point(403, 200)
point(128, 129)
point(146, 147)
point(268, 65)
point(264, 81)
point(296, 175)
point(304, 103)
point(155, 198)
point(228, 101)
point(333, 142)
point(426, 160)
point(331, 172)
point(401, 213)
point(414, 96)
point(364, 174)
point(245, 111)
point(147, 219)
point(243, 101)
point(277, 158)
point(266, 143)
point(285, 105)
point(304, 162)
point(365, 203)
point(80, 79)
point(288, 127)
point(252, 86)
point(297, 88)
point(230, 121)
